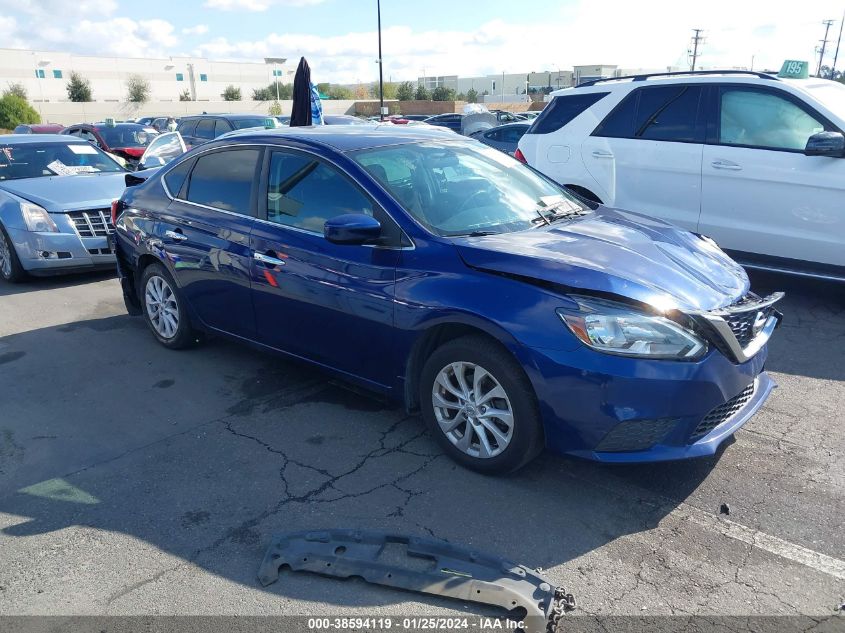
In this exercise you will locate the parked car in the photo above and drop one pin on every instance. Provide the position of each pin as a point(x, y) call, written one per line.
point(125, 140)
point(38, 128)
point(451, 121)
point(144, 120)
point(55, 198)
point(344, 119)
point(283, 119)
point(451, 278)
point(412, 117)
point(503, 137)
point(530, 115)
point(503, 116)
point(160, 123)
point(202, 128)
point(753, 161)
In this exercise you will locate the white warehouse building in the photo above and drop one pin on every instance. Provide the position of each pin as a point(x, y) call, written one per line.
point(45, 74)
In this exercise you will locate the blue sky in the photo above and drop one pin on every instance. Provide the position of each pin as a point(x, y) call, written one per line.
point(436, 36)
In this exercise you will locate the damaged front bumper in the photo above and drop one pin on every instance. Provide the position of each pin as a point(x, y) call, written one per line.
point(423, 565)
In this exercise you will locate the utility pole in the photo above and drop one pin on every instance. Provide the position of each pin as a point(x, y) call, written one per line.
point(697, 39)
point(380, 66)
point(836, 55)
point(827, 25)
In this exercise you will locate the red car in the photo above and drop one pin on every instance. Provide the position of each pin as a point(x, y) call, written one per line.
point(38, 128)
point(127, 140)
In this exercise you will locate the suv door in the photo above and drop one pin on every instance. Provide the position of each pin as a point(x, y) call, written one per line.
point(205, 235)
point(330, 303)
point(761, 194)
point(646, 154)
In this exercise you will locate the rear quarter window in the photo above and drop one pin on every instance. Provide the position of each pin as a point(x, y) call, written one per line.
point(563, 109)
point(186, 127)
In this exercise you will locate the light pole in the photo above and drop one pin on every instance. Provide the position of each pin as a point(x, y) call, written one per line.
point(275, 61)
point(380, 65)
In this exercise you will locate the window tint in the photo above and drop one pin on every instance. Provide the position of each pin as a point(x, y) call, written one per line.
point(205, 129)
point(175, 178)
point(221, 127)
point(668, 113)
point(512, 134)
point(620, 122)
point(762, 119)
point(562, 110)
point(224, 180)
point(186, 128)
point(304, 193)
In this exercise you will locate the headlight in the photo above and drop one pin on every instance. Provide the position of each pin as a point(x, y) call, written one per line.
point(618, 329)
point(37, 219)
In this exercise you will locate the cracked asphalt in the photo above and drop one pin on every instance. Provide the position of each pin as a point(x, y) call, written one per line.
point(137, 480)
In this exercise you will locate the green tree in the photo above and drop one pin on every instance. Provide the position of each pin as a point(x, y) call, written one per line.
point(460, 97)
point(275, 109)
point(442, 93)
point(405, 91)
point(137, 89)
point(231, 93)
point(472, 95)
point(341, 93)
point(14, 111)
point(16, 89)
point(268, 93)
point(422, 94)
point(78, 88)
point(185, 95)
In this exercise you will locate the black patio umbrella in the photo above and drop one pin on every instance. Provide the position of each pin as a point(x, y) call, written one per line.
point(301, 111)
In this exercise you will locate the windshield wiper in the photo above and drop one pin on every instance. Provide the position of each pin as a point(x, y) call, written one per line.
point(477, 234)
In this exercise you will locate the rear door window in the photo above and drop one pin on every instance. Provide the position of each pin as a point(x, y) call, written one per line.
point(659, 113)
point(562, 110)
point(186, 128)
point(221, 127)
point(225, 180)
point(205, 129)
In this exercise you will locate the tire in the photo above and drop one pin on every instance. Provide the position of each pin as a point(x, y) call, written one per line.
point(10, 264)
point(519, 438)
point(164, 308)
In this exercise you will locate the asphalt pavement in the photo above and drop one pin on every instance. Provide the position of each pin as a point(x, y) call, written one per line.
point(138, 480)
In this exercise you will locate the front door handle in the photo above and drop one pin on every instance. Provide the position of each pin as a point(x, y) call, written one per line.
point(268, 259)
point(726, 164)
point(176, 236)
point(600, 154)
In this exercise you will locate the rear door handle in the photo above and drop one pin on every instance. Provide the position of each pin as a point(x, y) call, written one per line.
point(600, 154)
point(267, 259)
point(726, 164)
point(176, 236)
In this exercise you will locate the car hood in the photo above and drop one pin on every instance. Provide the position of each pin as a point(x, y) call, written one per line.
point(68, 193)
point(616, 252)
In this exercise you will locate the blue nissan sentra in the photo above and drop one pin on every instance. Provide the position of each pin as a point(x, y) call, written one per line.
point(456, 281)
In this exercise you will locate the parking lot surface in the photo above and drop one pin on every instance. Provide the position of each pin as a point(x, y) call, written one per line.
point(138, 480)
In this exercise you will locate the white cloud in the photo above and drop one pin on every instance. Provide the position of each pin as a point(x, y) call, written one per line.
point(55, 8)
point(199, 29)
point(257, 5)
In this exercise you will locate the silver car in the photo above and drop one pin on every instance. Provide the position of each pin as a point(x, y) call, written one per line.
point(55, 205)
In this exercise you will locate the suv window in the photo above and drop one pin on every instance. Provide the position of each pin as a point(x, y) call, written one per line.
point(205, 129)
point(221, 127)
point(761, 119)
point(659, 113)
point(223, 180)
point(303, 192)
point(562, 110)
point(186, 127)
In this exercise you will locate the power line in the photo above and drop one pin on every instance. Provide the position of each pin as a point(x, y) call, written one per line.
point(827, 25)
point(697, 39)
point(836, 55)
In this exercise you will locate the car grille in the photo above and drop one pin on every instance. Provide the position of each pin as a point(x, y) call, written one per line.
point(636, 435)
point(92, 223)
point(723, 413)
point(742, 323)
point(732, 329)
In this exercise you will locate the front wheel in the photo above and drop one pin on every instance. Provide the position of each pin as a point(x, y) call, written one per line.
point(164, 308)
point(10, 265)
point(480, 406)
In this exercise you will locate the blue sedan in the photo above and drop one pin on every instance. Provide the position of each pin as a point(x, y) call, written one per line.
point(55, 205)
point(456, 281)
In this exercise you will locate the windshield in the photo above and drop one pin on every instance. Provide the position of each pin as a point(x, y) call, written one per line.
point(268, 122)
point(126, 136)
point(34, 160)
point(460, 188)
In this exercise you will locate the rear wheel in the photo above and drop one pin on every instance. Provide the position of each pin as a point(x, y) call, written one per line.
point(164, 308)
point(480, 406)
point(10, 265)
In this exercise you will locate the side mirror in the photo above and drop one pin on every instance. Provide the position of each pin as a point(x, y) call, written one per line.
point(352, 228)
point(826, 144)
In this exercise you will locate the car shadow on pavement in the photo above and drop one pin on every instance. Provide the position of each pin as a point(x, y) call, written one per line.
point(32, 284)
point(203, 455)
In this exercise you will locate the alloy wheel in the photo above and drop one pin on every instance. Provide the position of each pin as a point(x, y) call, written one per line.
point(162, 309)
point(5, 257)
point(472, 409)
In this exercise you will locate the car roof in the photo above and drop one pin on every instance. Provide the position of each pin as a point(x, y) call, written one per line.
point(11, 139)
point(612, 84)
point(346, 137)
point(246, 115)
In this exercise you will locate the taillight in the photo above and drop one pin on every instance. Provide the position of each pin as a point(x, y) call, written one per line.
point(518, 155)
point(115, 209)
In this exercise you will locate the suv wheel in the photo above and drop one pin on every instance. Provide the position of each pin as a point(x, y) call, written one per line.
point(164, 308)
point(480, 407)
point(10, 265)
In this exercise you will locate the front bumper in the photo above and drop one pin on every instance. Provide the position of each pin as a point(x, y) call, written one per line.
point(643, 410)
point(48, 253)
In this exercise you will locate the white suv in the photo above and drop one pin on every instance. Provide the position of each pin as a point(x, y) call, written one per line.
point(751, 160)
